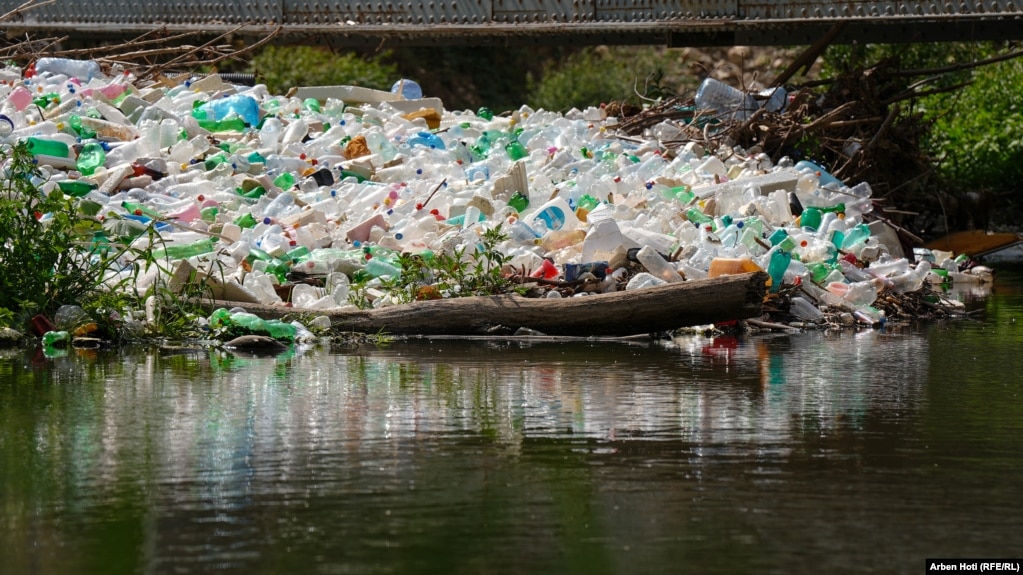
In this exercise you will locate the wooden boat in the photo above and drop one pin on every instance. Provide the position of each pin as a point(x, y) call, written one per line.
point(975, 243)
point(623, 313)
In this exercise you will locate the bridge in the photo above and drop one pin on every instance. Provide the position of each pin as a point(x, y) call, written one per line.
point(466, 22)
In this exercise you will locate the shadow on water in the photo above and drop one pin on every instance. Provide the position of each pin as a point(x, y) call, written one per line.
point(849, 452)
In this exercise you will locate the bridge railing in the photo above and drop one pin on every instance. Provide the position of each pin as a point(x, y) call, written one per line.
point(692, 22)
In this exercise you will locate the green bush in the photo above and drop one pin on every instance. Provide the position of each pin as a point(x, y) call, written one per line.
point(602, 74)
point(45, 253)
point(977, 137)
point(284, 67)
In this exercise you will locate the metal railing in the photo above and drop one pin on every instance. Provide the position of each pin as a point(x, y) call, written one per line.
point(672, 22)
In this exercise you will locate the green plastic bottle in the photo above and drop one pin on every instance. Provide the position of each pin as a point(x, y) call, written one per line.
point(515, 150)
point(76, 188)
point(837, 238)
point(818, 271)
point(137, 209)
point(91, 158)
point(180, 252)
point(226, 125)
point(810, 219)
point(280, 330)
point(220, 318)
point(777, 264)
point(856, 235)
point(214, 161)
point(781, 238)
point(245, 221)
point(684, 194)
point(697, 217)
point(519, 201)
point(587, 202)
point(83, 131)
point(248, 321)
point(285, 181)
point(254, 193)
point(311, 104)
point(44, 100)
point(209, 214)
point(43, 147)
point(299, 254)
point(55, 338)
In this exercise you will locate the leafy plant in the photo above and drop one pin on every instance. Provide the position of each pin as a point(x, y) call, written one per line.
point(50, 253)
point(468, 270)
point(977, 136)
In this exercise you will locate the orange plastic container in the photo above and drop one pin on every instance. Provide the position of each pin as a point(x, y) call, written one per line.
point(729, 266)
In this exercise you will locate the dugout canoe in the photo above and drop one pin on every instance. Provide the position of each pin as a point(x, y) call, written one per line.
point(975, 243)
point(623, 313)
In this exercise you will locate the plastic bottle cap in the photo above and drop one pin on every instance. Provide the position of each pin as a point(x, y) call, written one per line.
point(6, 126)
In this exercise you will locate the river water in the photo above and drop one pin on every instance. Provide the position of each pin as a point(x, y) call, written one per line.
point(816, 452)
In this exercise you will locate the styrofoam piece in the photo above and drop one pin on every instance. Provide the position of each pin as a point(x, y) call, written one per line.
point(347, 94)
point(772, 181)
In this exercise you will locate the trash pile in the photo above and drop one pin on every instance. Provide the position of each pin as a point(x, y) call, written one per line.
point(310, 199)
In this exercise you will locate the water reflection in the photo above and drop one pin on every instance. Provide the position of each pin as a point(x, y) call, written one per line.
point(732, 454)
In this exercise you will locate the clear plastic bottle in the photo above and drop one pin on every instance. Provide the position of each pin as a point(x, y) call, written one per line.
point(801, 308)
point(84, 70)
point(657, 265)
point(270, 134)
point(729, 102)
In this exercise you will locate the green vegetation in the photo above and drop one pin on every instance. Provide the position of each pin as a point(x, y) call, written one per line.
point(978, 139)
point(599, 75)
point(467, 270)
point(284, 67)
point(458, 274)
point(60, 251)
point(51, 253)
point(973, 118)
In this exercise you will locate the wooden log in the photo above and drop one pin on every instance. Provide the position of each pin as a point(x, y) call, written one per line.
point(661, 308)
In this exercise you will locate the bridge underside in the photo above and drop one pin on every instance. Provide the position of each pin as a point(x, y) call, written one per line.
point(466, 22)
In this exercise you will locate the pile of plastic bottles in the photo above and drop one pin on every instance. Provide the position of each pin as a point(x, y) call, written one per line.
point(262, 186)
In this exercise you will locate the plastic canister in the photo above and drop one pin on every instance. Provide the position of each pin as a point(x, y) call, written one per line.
point(825, 177)
point(554, 215)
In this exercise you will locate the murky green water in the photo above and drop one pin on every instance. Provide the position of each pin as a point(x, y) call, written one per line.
point(806, 453)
